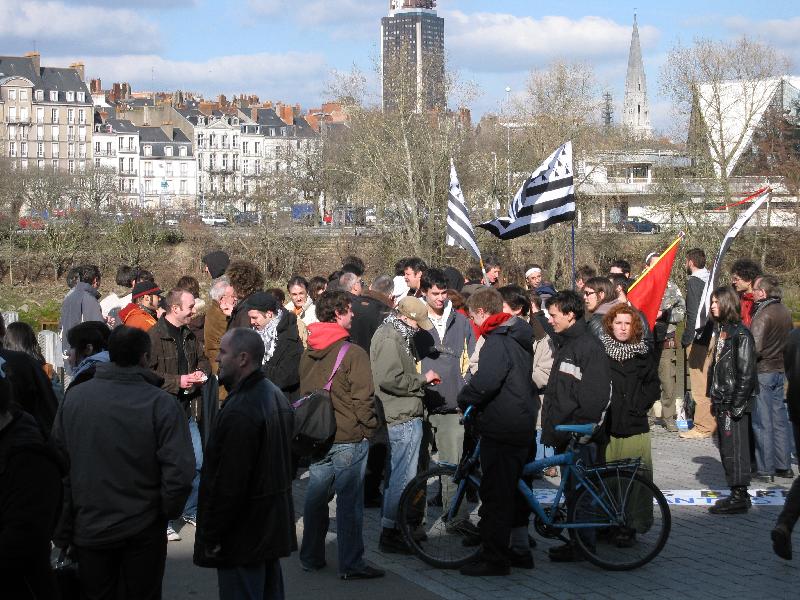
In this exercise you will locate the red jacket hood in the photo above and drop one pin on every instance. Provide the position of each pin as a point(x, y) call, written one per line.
point(322, 335)
point(123, 313)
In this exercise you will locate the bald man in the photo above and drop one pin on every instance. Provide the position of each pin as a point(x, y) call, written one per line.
point(245, 517)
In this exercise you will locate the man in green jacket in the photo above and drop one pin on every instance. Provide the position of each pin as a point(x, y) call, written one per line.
point(400, 388)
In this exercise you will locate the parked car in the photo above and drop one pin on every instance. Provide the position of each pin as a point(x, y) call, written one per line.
point(639, 225)
point(215, 220)
point(246, 219)
point(31, 223)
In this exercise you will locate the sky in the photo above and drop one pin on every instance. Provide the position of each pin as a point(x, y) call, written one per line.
point(291, 51)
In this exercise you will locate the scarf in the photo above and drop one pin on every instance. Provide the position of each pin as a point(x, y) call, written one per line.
point(494, 321)
point(269, 335)
point(406, 331)
point(621, 351)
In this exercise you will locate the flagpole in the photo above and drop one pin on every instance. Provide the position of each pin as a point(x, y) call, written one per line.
point(647, 270)
point(573, 255)
point(485, 276)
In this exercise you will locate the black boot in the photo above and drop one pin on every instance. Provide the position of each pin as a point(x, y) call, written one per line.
point(737, 503)
point(782, 541)
point(392, 542)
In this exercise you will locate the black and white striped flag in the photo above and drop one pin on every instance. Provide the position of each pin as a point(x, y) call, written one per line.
point(459, 227)
point(546, 197)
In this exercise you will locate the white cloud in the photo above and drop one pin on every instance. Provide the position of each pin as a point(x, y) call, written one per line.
point(493, 42)
point(56, 27)
point(289, 75)
point(781, 33)
point(343, 19)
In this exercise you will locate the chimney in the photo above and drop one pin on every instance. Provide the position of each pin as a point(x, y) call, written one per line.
point(36, 59)
point(79, 67)
point(96, 86)
point(286, 114)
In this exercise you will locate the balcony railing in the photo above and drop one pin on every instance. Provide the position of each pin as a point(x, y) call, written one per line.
point(17, 119)
point(105, 152)
point(128, 172)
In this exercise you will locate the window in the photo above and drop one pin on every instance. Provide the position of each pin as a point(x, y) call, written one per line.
point(40, 132)
point(71, 166)
point(147, 186)
point(12, 113)
point(54, 132)
point(71, 133)
point(40, 149)
point(183, 150)
point(82, 133)
point(130, 166)
point(183, 186)
point(245, 167)
point(148, 151)
point(108, 148)
point(200, 140)
point(12, 131)
point(244, 147)
point(184, 169)
point(130, 143)
point(70, 115)
point(70, 96)
point(54, 96)
point(168, 151)
point(81, 116)
point(23, 114)
point(96, 163)
point(23, 148)
point(54, 115)
point(82, 150)
point(39, 95)
point(40, 164)
point(255, 149)
point(121, 165)
point(40, 114)
point(12, 149)
point(54, 149)
point(82, 165)
point(23, 95)
point(12, 93)
point(169, 169)
point(224, 161)
point(236, 141)
point(71, 150)
point(81, 96)
point(55, 165)
point(24, 164)
point(224, 141)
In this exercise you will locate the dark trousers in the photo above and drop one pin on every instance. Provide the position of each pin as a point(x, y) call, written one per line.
point(734, 449)
point(501, 505)
point(131, 569)
point(376, 460)
point(259, 582)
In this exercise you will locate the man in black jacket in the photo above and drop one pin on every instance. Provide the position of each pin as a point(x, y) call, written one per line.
point(245, 512)
point(504, 398)
point(368, 313)
point(579, 388)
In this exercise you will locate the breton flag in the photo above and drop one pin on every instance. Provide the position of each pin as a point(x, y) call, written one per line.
point(459, 227)
point(647, 292)
point(705, 301)
point(546, 197)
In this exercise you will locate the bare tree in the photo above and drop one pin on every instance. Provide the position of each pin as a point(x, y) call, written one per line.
point(95, 188)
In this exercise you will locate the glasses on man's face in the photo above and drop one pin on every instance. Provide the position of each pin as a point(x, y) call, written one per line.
point(587, 293)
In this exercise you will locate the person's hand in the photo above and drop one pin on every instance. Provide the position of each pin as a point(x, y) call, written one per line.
point(432, 377)
point(187, 381)
point(199, 376)
point(111, 321)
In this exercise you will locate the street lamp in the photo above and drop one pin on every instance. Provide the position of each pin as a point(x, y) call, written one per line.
point(508, 140)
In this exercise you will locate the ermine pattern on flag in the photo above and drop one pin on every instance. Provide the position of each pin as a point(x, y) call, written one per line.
point(459, 227)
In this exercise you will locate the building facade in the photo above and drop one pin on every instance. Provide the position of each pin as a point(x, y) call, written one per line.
point(636, 109)
point(412, 56)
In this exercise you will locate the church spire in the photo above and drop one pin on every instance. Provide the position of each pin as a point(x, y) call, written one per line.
point(636, 110)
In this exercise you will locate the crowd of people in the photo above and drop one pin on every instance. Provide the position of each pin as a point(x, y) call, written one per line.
point(176, 410)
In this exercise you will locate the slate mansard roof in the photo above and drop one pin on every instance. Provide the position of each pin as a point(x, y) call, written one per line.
point(61, 80)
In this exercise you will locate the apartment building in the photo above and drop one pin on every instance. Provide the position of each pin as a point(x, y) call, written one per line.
point(116, 146)
point(45, 114)
point(168, 177)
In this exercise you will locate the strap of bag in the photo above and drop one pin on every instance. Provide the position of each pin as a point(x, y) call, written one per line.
point(342, 351)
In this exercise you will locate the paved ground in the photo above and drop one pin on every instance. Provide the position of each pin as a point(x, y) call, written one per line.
point(706, 556)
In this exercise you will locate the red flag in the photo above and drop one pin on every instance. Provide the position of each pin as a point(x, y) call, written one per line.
point(647, 292)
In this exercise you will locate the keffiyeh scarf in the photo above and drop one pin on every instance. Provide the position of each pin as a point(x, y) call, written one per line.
point(620, 351)
point(269, 335)
point(405, 330)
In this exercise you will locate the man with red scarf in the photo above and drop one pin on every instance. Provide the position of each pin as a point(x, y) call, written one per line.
point(506, 406)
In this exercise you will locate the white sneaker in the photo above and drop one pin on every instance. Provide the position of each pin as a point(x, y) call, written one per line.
point(190, 521)
point(172, 535)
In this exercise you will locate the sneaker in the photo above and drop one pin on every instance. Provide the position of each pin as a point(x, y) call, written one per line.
point(366, 573)
point(735, 504)
point(784, 473)
point(484, 568)
point(763, 478)
point(190, 521)
point(669, 424)
point(694, 434)
point(782, 541)
point(172, 535)
point(392, 542)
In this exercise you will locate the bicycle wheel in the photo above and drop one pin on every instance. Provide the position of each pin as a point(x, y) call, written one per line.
point(442, 544)
point(640, 520)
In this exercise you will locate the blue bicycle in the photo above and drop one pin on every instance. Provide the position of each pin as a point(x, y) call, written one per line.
point(614, 514)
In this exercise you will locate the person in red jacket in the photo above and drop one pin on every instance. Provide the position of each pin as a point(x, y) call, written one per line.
point(744, 273)
point(141, 312)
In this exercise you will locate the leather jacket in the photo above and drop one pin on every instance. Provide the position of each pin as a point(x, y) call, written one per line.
point(770, 327)
point(732, 377)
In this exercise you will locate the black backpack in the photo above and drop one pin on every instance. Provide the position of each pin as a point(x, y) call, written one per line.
point(314, 419)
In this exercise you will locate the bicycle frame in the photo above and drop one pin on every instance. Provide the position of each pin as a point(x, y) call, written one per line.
point(571, 471)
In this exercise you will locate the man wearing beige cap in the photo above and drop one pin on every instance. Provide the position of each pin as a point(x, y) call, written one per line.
point(400, 389)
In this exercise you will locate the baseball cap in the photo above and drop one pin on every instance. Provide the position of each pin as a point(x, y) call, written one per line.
point(415, 309)
point(145, 288)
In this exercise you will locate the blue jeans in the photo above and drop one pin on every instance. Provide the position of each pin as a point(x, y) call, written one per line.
point(341, 470)
point(259, 582)
point(771, 430)
point(401, 466)
point(190, 508)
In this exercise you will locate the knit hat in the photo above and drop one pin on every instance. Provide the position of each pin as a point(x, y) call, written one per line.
point(263, 302)
point(145, 288)
point(216, 262)
point(400, 287)
point(416, 309)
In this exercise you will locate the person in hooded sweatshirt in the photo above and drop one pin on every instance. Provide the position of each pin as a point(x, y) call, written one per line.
point(342, 468)
point(30, 501)
point(506, 407)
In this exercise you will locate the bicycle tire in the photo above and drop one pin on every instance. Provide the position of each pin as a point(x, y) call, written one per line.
point(444, 546)
point(644, 527)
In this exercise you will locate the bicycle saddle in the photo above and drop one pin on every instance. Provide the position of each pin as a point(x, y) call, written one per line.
point(585, 429)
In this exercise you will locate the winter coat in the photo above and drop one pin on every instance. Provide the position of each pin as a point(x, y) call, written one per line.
point(770, 327)
point(543, 350)
point(635, 387)
point(351, 388)
point(31, 389)
point(368, 314)
point(134, 315)
point(131, 461)
point(579, 387)
point(448, 358)
point(791, 365)
point(694, 294)
point(502, 389)
point(216, 325)
point(307, 315)
point(80, 304)
point(239, 316)
point(245, 500)
point(595, 320)
point(30, 503)
point(281, 369)
point(732, 376)
point(398, 385)
point(86, 369)
point(164, 359)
